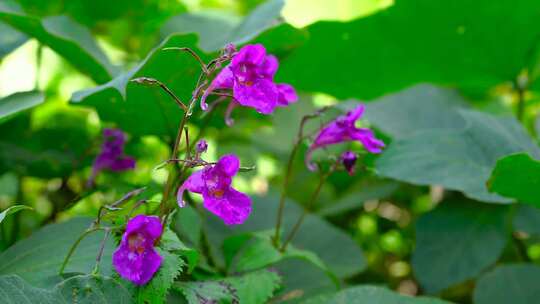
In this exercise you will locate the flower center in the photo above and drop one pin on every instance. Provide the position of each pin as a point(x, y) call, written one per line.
point(136, 243)
point(217, 193)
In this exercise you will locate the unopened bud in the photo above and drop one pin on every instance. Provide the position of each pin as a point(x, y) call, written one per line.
point(201, 146)
point(348, 159)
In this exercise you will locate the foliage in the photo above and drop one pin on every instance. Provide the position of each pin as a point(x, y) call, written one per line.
point(448, 212)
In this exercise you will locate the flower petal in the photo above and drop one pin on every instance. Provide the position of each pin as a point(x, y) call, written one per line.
point(122, 164)
point(251, 54)
point(138, 268)
point(355, 114)
point(268, 67)
point(233, 208)
point(368, 140)
point(286, 94)
point(224, 80)
point(228, 164)
point(261, 95)
point(150, 226)
point(194, 183)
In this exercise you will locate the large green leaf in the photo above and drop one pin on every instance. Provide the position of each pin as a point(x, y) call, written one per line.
point(37, 259)
point(207, 292)
point(517, 176)
point(87, 289)
point(421, 107)
point(370, 295)
point(12, 104)
point(10, 39)
point(527, 219)
point(457, 159)
point(456, 242)
point(129, 104)
point(334, 247)
point(66, 37)
point(215, 31)
point(453, 42)
point(517, 284)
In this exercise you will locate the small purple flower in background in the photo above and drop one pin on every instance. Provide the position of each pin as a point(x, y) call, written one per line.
point(250, 76)
point(214, 183)
point(136, 259)
point(343, 129)
point(348, 159)
point(112, 155)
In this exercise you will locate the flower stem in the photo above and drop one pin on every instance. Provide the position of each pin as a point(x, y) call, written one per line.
point(288, 171)
point(308, 208)
point(101, 249)
point(75, 245)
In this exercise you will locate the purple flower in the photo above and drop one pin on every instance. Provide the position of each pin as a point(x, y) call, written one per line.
point(112, 155)
point(250, 76)
point(348, 159)
point(136, 259)
point(214, 183)
point(343, 129)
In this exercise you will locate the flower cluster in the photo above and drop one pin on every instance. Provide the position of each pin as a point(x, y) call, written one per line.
point(136, 259)
point(112, 155)
point(250, 76)
point(343, 129)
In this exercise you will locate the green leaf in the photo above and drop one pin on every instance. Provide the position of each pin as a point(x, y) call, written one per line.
point(255, 287)
point(171, 242)
point(387, 51)
point(156, 290)
point(460, 159)
point(216, 31)
point(87, 289)
point(187, 225)
point(421, 107)
point(66, 37)
point(90, 289)
point(13, 209)
point(207, 292)
point(52, 142)
point(12, 104)
point(10, 39)
point(370, 295)
point(128, 104)
point(27, 259)
point(517, 284)
point(517, 176)
point(457, 241)
point(527, 219)
point(15, 290)
point(344, 257)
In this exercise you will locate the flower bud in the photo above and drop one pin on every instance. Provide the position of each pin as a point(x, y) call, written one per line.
point(201, 146)
point(348, 159)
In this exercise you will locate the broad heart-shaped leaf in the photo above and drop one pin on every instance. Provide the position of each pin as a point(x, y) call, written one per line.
point(457, 159)
point(83, 289)
point(156, 290)
point(10, 39)
point(457, 241)
point(17, 102)
point(129, 104)
point(516, 284)
point(255, 287)
point(66, 37)
point(517, 176)
point(334, 247)
point(37, 259)
point(421, 107)
point(370, 295)
point(216, 31)
point(388, 51)
point(527, 219)
point(11, 210)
